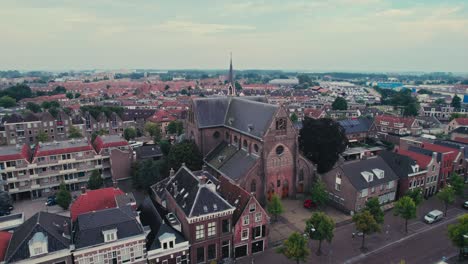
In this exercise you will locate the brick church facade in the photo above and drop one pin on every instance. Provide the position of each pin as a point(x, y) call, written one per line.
point(250, 142)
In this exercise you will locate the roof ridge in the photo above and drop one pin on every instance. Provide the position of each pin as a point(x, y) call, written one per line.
point(22, 241)
point(194, 202)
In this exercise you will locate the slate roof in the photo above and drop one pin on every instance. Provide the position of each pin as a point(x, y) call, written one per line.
point(250, 115)
point(197, 198)
point(425, 152)
point(231, 161)
point(148, 152)
point(400, 164)
point(88, 227)
point(356, 125)
point(461, 130)
point(236, 196)
point(150, 216)
point(352, 170)
point(51, 225)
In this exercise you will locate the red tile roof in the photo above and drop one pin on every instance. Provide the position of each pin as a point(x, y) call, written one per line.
point(24, 153)
point(94, 200)
point(162, 116)
point(313, 113)
point(102, 142)
point(421, 159)
point(462, 121)
point(392, 120)
point(5, 238)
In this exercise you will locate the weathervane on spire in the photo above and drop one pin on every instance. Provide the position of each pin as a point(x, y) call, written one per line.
point(231, 89)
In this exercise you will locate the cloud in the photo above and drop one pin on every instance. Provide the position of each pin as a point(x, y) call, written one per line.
point(200, 28)
point(394, 13)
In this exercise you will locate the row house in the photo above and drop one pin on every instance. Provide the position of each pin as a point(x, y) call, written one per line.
point(230, 222)
point(456, 123)
point(315, 113)
point(351, 184)
point(460, 135)
point(413, 173)
point(344, 114)
point(443, 113)
point(356, 130)
point(395, 125)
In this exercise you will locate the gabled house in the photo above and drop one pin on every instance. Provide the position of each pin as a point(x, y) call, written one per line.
point(164, 244)
point(456, 123)
point(395, 125)
point(352, 183)
point(113, 235)
point(357, 130)
point(43, 238)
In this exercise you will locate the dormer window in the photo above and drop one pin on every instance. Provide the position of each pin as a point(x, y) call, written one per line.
point(110, 235)
point(38, 244)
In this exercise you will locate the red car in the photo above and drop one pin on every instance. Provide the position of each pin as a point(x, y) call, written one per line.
point(308, 204)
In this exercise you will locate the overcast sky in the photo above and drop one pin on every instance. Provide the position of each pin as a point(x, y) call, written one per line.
point(316, 35)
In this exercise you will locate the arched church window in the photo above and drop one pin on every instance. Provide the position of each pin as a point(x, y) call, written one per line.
point(216, 135)
point(279, 150)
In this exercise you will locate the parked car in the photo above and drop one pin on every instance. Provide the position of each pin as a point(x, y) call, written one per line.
point(5, 212)
point(51, 201)
point(433, 216)
point(308, 204)
point(465, 205)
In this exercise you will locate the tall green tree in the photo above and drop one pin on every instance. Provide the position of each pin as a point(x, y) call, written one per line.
point(165, 146)
point(411, 109)
point(18, 92)
point(320, 227)
point(417, 196)
point(322, 141)
point(185, 152)
point(69, 95)
point(154, 130)
point(458, 233)
point(7, 101)
point(319, 193)
point(458, 184)
point(130, 133)
point(293, 117)
point(406, 209)
point(95, 180)
point(63, 197)
point(373, 206)
point(447, 196)
point(5, 200)
point(440, 101)
point(33, 107)
point(74, 132)
point(456, 102)
point(147, 173)
point(175, 127)
point(366, 224)
point(77, 95)
point(340, 104)
point(42, 137)
point(295, 248)
point(275, 207)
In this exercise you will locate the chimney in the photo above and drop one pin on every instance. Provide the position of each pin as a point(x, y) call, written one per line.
point(183, 164)
point(171, 172)
point(202, 179)
point(66, 230)
point(203, 167)
point(83, 190)
point(114, 184)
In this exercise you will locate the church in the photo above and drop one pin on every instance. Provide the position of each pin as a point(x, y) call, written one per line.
point(250, 142)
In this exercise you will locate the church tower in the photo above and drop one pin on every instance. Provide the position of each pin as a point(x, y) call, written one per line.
point(231, 87)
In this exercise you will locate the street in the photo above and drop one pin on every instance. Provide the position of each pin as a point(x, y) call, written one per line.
point(424, 243)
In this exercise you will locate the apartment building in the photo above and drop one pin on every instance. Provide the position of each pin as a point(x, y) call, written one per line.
point(116, 156)
point(15, 168)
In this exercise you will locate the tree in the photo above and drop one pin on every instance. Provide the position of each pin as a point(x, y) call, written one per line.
point(74, 132)
point(456, 102)
point(147, 173)
point(5, 201)
point(33, 107)
point(42, 137)
point(304, 79)
point(295, 248)
point(457, 183)
point(238, 86)
point(340, 104)
point(183, 92)
point(293, 117)
point(59, 90)
point(95, 180)
point(175, 127)
point(406, 208)
point(77, 95)
point(185, 152)
point(373, 206)
point(165, 147)
point(130, 133)
point(447, 196)
point(18, 92)
point(154, 130)
point(69, 95)
point(439, 101)
point(320, 227)
point(7, 101)
point(366, 224)
point(319, 193)
point(458, 232)
point(411, 109)
point(63, 197)
point(274, 206)
point(322, 141)
point(167, 87)
point(424, 91)
point(416, 195)
point(45, 105)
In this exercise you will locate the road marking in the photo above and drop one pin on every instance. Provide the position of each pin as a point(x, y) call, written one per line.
point(363, 255)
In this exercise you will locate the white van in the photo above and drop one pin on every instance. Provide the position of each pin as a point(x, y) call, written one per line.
point(433, 216)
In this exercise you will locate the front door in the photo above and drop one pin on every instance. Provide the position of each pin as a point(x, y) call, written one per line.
point(241, 251)
point(225, 249)
point(257, 246)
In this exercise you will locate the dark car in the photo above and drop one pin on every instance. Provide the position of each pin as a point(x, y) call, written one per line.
point(308, 204)
point(5, 212)
point(51, 201)
point(465, 205)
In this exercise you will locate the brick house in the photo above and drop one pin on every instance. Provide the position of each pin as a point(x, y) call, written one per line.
point(251, 142)
point(352, 183)
point(113, 235)
point(205, 217)
point(357, 130)
point(456, 123)
point(250, 220)
point(43, 238)
point(395, 125)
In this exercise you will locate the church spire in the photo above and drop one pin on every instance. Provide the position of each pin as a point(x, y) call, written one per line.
point(231, 88)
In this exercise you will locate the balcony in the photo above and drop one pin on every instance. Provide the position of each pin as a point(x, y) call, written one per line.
point(14, 190)
point(35, 186)
point(12, 179)
point(11, 168)
point(32, 165)
point(71, 181)
point(67, 160)
point(34, 176)
point(98, 166)
point(68, 171)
